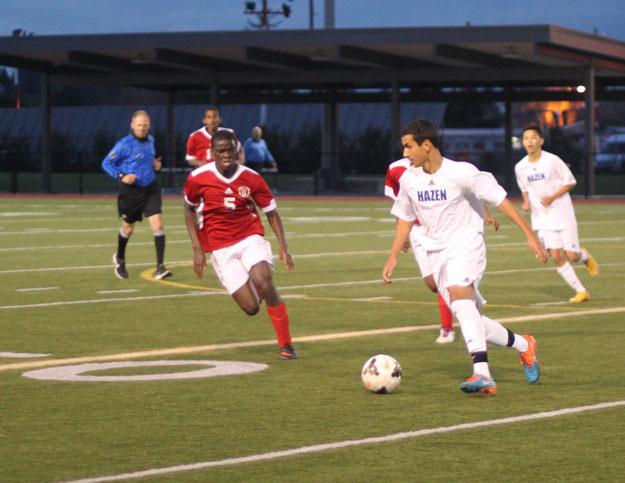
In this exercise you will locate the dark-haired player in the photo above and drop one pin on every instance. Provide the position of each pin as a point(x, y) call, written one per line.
point(227, 195)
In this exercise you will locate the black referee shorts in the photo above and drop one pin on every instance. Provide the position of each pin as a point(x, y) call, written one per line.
point(135, 201)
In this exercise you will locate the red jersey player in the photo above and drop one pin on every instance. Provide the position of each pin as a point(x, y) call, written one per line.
point(199, 142)
point(391, 190)
point(231, 231)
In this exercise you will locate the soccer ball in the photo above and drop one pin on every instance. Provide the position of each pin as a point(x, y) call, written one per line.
point(381, 374)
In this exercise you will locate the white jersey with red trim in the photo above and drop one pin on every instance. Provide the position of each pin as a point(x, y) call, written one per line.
point(228, 205)
point(200, 142)
point(394, 172)
point(391, 189)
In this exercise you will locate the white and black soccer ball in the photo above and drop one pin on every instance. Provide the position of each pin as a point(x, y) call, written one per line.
point(381, 374)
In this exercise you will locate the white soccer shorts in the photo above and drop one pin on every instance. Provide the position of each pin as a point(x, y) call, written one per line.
point(461, 265)
point(420, 255)
point(232, 264)
point(567, 239)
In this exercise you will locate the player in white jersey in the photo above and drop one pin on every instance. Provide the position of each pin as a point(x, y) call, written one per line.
point(545, 182)
point(447, 197)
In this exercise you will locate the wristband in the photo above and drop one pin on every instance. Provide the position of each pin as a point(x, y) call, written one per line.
point(120, 176)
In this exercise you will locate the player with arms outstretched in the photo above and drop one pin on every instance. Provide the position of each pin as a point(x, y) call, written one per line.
point(448, 199)
point(545, 182)
point(230, 230)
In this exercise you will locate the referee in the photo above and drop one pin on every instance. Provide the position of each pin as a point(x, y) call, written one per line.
point(132, 163)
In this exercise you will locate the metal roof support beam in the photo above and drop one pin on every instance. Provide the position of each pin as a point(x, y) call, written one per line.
point(46, 129)
point(480, 58)
point(330, 146)
point(365, 77)
point(202, 63)
point(170, 138)
point(25, 63)
point(277, 59)
point(571, 55)
point(589, 127)
point(395, 118)
point(98, 61)
point(214, 96)
point(509, 168)
point(375, 57)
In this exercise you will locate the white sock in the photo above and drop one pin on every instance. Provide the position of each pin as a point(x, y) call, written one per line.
point(495, 332)
point(567, 272)
point(482, 369)
point(583, 257)
point(471, 324)
point(520, 343)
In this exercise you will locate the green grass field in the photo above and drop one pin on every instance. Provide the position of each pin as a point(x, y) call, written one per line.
point(59, 297)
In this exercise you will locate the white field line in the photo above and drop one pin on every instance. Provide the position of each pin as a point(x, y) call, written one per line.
point(36, 289)
point(49, 231)
point(185, 240)
point(541, 304)
point(296, 257)
point(43, 230)
point(181, 262)
point(371, 299)
point(281, 288)
point(112, 300)
point(350, 443)
point(269, 342)
point(21, 355)
point(129, 290)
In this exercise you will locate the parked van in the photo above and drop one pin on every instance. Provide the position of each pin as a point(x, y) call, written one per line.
point(611, 158)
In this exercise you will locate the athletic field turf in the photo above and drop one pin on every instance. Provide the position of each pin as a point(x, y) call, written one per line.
point(309, 419)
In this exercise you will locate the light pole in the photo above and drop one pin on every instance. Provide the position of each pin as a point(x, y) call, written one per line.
point(265, 14)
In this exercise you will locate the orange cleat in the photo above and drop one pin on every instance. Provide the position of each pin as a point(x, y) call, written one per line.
point(529, 360)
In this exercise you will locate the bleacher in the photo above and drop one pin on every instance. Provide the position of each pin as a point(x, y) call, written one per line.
point(80, 124)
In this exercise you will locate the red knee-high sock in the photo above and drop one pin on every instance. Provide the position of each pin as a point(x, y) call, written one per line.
point(447, 317)
point(280, 320)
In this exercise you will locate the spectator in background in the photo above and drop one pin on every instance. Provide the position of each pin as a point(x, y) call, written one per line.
point(200, 141)
point(257, 154)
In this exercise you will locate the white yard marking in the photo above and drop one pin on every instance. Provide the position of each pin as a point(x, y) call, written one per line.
point(271, 342)
point(29, 214)
point(562, 302)
point(48, 231)
point(36, 289)
point(118, 291)
point(113, 300)
point(186, 241)
point(350, 443)
point(296, 256)
point(281, 288)
point(326, 219)
point(21, 355)
point(371, 299)
point(212, 369)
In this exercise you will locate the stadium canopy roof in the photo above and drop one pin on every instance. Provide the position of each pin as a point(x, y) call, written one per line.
point(503, 63)
point(292, 64)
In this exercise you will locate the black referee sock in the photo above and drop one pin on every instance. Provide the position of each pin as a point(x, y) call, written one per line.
point(159, 241)
point(122, 241)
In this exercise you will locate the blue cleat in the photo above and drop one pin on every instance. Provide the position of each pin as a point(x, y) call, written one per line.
point(479, 383)
point(529, 361)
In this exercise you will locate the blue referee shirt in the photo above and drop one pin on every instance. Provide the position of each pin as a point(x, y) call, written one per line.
point(132, 156)
point(256, 151)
